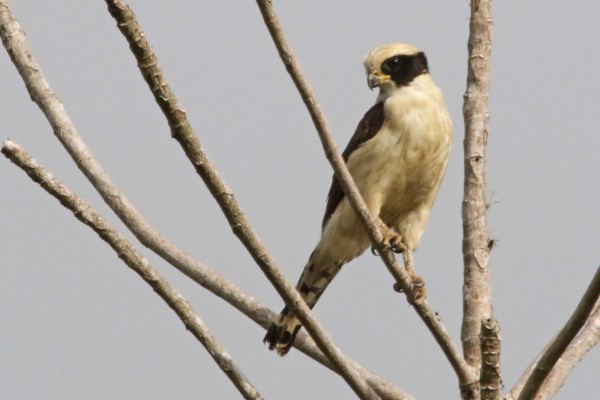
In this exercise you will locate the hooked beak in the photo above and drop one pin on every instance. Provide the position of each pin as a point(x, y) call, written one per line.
point(376, 79)
point(373, 80)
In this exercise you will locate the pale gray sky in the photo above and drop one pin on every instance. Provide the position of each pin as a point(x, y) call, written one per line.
point(77, 324)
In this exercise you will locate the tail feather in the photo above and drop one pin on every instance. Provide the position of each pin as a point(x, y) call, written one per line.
point(282, 332)
point(311, 286)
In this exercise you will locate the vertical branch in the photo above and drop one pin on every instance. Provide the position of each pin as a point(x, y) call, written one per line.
point(490, 381)
point(476, 243)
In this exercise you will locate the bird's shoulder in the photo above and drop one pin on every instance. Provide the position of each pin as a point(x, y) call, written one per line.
point(368, 127)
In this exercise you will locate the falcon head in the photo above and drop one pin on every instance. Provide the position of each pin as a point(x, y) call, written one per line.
point(392, 66)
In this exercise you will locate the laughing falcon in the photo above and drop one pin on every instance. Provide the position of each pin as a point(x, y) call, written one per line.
point(397, 158)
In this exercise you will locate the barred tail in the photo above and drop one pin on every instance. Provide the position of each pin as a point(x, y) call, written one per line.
point(282, 332)
point(286, 326)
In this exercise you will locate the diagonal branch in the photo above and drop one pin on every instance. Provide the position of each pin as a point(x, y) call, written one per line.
point(465, 374)
point(477, 294)
point(583, 342)
point(134, 260)
point(16, 45)
point(182, 131)
point(563, 339)
point(41, 93)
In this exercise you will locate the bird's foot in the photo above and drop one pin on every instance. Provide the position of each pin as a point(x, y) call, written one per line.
point(417, 290)
point(392, 240)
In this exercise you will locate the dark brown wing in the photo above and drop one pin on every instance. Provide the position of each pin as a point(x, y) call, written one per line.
point(368, 126)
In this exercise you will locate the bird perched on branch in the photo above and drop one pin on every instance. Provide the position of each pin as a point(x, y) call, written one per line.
point(397, 158)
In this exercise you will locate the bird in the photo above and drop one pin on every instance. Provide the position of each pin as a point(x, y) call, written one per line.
point(397, 158)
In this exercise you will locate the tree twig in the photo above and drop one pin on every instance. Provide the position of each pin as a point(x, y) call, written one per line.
point(16, 45)
point(477, 295)
point(563, 339)
point(134, 260)
point(465, 374)
point(182, 131)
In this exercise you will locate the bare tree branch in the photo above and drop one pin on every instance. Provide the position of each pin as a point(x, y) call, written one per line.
point(134, 260)
point(563, 339)
point(16, 45)
point(465, 374)
point(477, 294)
point(583, 342)
point(575, 341)
point(182, 131)
point(490, 382)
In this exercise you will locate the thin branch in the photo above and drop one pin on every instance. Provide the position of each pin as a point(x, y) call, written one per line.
point(490, 382)
point(563, 339)
point(16, 45)
point(134, 260)
point(182, 131)
point(477, 295)
point(465, 374)
point(588, 337)
point(583, 342)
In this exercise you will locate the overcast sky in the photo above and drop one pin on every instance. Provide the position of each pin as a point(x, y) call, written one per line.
point(77, 324)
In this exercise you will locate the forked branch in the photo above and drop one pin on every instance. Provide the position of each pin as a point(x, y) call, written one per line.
point(563, 339)
point(586, 339)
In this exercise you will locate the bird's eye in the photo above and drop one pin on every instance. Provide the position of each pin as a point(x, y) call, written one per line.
point(392, 64)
